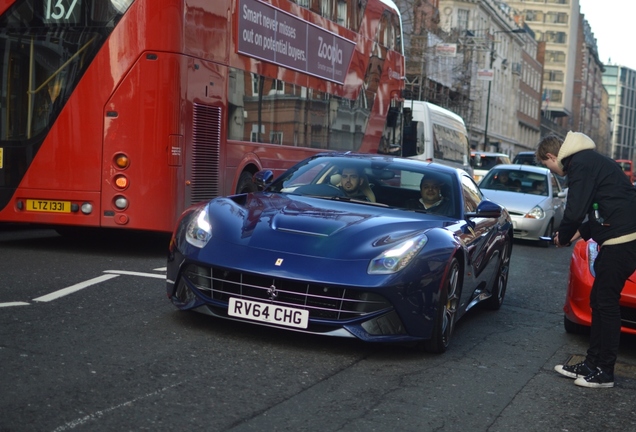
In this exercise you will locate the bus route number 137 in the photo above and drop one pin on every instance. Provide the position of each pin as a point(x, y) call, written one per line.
point(61, 11)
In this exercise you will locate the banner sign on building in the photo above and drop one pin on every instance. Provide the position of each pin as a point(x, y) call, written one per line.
point(270, 34)
point(446, 50)
point(485, 74)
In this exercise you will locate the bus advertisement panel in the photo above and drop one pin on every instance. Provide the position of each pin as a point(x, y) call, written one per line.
point(122, 113)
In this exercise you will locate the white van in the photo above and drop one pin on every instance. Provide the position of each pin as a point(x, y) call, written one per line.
point(435, 134)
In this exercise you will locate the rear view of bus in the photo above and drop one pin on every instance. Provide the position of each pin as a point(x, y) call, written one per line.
point(122, 113)
point(51, 118)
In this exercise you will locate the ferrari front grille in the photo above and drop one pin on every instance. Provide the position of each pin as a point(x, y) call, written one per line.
point(322, 301)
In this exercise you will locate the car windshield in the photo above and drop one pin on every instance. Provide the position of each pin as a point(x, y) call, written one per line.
point(486, 162)
point(516, 181)
point(374, 181)
point(526, 159)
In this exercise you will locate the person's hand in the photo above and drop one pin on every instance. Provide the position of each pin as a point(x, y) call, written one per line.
point(576, 236)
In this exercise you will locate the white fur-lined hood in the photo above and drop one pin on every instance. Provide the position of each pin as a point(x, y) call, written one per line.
point(574, 143)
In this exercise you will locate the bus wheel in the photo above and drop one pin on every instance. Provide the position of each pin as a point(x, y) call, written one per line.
point(245, 183)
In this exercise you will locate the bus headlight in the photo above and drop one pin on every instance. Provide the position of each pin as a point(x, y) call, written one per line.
point(121, 202)
point(87, 208)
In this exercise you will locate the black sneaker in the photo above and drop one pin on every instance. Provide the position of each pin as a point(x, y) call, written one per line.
point(597, 379)
point(578, 370)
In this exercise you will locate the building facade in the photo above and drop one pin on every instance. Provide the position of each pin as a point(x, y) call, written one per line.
point(530, 92)
point(555, 22)
point(493, 44)
point(489, 62)
point(589, 111)
point(573, 96)
point(620, 83)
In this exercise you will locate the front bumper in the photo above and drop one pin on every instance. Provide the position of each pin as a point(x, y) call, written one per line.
point(401, 310)
point(527, 228)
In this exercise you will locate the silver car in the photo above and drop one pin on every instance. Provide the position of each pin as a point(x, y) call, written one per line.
point(532, 196)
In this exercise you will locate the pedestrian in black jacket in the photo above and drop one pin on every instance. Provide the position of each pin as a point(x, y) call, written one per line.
point(601, 205)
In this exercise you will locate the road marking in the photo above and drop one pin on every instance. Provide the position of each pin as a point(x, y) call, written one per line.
point(14, 304)
point(69, 290)
point(97, 415)
point(74, 288)
point(131, 273)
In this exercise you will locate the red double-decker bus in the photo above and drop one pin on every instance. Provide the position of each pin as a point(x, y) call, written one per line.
point(628, 168)
point(121, 113)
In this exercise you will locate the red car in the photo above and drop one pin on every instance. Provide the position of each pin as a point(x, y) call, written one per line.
point(578, 315)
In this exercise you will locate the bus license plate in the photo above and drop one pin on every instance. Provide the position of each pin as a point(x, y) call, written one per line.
point(48, 206)
point(268, 313)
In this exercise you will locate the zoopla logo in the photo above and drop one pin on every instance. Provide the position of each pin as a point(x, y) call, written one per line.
point(333, 53)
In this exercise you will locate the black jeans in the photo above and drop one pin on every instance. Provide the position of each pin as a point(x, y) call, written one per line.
point(613, 265)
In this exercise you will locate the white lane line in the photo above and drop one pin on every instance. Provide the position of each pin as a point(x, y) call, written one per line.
point(14, 304)
point(161, 269)
point(97, 415)
point(69, 290)
point(131, 273)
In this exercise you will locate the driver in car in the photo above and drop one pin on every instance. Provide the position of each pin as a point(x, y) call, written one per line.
point(354, 184)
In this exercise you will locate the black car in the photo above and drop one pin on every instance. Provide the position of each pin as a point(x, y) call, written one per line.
point(530, 158)
point(525, 158)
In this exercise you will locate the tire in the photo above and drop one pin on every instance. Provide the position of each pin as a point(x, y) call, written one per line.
point(500, 284)
point(245, 183)
point(547, 233)
point(446, 312)
point(574, 328)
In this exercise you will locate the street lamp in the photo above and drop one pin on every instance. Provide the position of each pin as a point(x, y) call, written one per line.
point(492, 60)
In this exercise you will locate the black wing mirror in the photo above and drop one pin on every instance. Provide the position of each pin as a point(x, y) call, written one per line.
point(263, 178)
point(486, 209)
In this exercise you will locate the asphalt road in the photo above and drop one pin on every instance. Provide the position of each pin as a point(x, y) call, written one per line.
point(90, 342)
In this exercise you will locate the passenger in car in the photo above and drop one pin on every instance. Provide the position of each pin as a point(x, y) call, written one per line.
point(504, 181)
point(538, 187)
point(432, 199)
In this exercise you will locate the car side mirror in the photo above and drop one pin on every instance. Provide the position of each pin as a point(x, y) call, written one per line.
point(561, 194)
point(263, 179)
point(486, 209)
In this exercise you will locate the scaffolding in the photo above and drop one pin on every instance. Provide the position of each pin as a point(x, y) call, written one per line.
point(448, 77)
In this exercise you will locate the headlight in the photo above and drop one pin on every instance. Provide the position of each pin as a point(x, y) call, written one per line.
point(592, 253)
point(199, 230)
point(536, 213)
point(398, 257)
